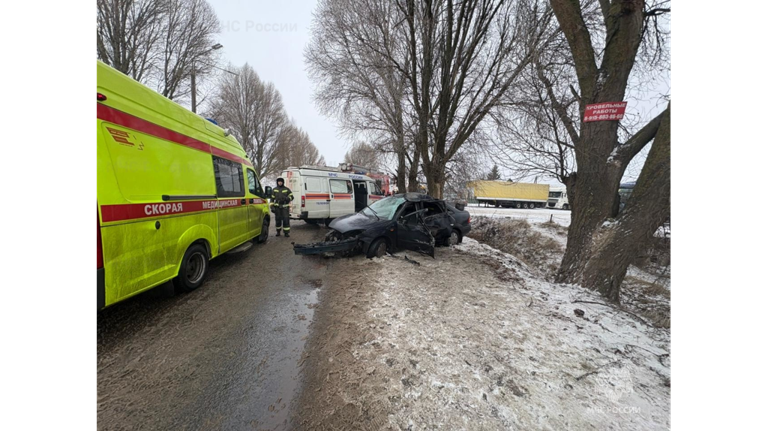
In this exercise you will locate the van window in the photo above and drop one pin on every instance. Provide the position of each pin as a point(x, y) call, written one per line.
point(253, 184)
point(341, 186)
point(313, 184)
point(229, 178)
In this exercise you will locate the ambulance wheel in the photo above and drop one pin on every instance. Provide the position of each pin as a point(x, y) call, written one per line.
point(262, 238)
point(194, 267)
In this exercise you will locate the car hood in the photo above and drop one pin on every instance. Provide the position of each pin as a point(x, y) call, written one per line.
point(356, 221)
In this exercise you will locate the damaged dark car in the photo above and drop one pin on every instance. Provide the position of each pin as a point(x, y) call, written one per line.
point(409, 221)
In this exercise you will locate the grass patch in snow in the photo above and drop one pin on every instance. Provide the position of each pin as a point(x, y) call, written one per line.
point(518, 238)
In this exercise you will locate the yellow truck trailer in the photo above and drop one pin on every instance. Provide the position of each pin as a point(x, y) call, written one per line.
point(510, 194)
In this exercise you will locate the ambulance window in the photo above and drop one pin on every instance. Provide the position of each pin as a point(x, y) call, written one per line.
point(316, 184)
point(229, 178)
point(253, 184)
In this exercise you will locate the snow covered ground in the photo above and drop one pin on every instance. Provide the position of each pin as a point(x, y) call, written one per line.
point(479, 339)
point(476, 340)
point(513, 351)
point(538, 215)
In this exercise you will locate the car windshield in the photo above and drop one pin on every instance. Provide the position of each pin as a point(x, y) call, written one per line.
point(385, 208)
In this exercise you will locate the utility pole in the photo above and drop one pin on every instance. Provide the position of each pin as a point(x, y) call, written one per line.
point(194, 70)
point(194, 92)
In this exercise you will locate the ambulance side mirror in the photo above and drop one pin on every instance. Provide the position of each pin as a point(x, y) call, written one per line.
point(267, 191)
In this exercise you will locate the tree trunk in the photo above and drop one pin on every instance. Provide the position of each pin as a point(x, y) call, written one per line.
point(400, 181)
point(593, 191)
point(435, 180)
point(435, 188)
point(413, 174)
point(646, 210)
point(570, 189)
point(402, 167)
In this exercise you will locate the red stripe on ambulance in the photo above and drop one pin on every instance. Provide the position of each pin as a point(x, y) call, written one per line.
point(108, 113)
point(112, 213)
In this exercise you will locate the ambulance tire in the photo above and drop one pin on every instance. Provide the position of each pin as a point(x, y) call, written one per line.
point(193, 269)
point(264, 236)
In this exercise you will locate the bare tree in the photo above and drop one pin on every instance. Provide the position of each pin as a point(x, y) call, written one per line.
point(234, 105)
point(362, 154)
point(457, 59)
point(604, 40)
point(464, 57)
point(359, 85)
point(296, 149)
point(162, 43)
point(465, 167)
point(270, 118)
point(254, 112)
point(187, 45)
point(304, 152)
point(128, 34)
point(530, 138)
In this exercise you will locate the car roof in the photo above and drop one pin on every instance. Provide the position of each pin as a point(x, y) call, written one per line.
point(417, 197)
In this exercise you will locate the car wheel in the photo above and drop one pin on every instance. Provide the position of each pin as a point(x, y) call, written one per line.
point(378, 248)
point(262, 238)
point(565, 207)
point(454, 239)
point(194, 267)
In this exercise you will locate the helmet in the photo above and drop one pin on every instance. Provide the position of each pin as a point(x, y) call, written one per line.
point(280, 180)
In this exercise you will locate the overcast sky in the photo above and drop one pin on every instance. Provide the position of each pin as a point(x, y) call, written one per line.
point(271, 36)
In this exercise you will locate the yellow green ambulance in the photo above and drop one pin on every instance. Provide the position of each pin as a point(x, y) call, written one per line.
point(174, 190)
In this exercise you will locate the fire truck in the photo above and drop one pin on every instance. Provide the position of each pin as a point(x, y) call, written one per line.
point(381, 178)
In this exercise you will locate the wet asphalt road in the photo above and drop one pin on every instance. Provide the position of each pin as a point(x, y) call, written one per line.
point(223, 357)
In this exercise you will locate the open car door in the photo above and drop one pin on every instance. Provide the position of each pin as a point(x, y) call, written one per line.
point(438, 220)
point(412, 234)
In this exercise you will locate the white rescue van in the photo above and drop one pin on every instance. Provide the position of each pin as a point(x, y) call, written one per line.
point(321, 193)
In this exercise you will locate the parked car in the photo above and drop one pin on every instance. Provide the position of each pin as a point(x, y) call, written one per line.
point(410, 221)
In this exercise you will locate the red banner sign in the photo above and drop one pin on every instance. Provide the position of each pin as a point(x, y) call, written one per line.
point(606, 111)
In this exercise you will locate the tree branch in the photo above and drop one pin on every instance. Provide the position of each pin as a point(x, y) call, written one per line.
point(657, 12)
point(625, 153)
point(568, 13)
point(559, 108)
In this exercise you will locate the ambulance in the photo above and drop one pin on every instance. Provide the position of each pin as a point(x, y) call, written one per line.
point(174, 190)
point(322, 193)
